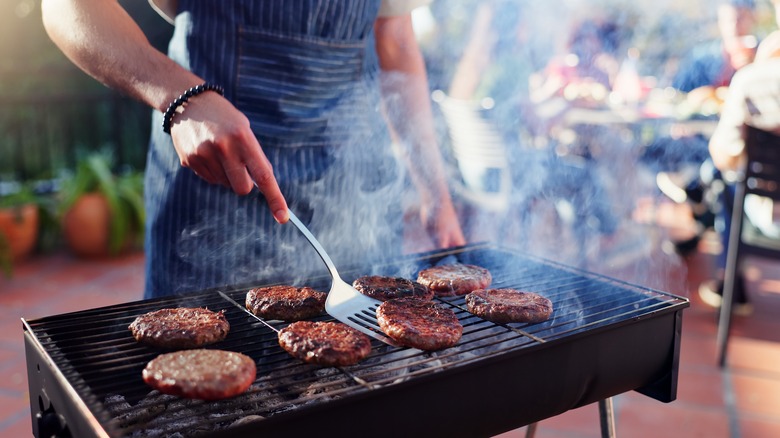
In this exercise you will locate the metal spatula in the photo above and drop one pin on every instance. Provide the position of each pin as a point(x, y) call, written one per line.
point(344, 302)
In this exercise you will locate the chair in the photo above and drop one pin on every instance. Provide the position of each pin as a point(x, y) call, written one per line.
point(499, 174)
point(761, 177)
point(480, 153)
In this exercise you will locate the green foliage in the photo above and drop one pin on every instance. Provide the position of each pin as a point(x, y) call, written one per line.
point(124, 193)
point(20, 196)
point(23, 196)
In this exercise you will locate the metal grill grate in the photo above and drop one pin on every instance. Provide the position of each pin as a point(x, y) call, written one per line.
point(97, 356)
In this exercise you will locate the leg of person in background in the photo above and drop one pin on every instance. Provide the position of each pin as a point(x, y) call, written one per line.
point(711, 291)
point(701, 192)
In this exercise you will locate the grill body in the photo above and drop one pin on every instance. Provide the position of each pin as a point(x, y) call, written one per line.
point(605, 337)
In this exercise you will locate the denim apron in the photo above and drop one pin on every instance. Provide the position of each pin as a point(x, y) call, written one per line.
point(306, 75)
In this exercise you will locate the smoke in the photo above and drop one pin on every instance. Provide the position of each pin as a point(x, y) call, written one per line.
point(576, 174)
point(349, 195)
point(583, 155)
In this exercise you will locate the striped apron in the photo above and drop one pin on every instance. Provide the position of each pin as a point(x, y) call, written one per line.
point(306, 75)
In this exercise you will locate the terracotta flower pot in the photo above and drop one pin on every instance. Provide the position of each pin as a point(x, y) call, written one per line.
point(19, 226)
point(86, 226)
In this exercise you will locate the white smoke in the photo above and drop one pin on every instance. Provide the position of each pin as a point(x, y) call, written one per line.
point(564, 224)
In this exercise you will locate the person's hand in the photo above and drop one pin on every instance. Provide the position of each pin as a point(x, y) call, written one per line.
point(214, 140)
point(444, 226)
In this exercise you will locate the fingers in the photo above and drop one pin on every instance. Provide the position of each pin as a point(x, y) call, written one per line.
point(456, 238)
point(241, 179)
point(450, 237)
point(263, 176)
point(444, 226)
point(216, 141)
point(238, 179)
point(208, 168)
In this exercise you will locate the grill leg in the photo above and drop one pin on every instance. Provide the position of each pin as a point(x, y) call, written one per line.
point(607, 417)
point(530, 431)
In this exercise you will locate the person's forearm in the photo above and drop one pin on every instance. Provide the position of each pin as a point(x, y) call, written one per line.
point(104, 41)
point(727, 143)
point(722, 156)
point(476, 55)
point(213, 139)
point(408, 105)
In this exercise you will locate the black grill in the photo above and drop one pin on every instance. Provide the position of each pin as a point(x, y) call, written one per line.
point(605, 337)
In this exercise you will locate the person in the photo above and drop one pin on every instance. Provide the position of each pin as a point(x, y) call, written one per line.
point(686, 174)
point(584, 73)
point(502, 52)
point(489, 88)
point(274, 99)
point(507, 73)
point(752, 101)
point(711, 64)
point(581, 75)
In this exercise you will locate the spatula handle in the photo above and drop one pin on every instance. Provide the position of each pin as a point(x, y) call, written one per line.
point(315, 243)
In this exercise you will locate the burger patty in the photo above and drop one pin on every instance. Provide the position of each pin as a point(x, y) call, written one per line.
point(455, 279)
point(509, 305)
point(387, 288)
point(325, 343)
point(181, 327)
point(201, 374)
point(419, 324)
point(287, 303)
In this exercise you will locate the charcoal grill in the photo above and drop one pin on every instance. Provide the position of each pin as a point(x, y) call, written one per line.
point(605, 337)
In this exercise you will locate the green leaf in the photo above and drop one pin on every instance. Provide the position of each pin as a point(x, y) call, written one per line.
point(124, 195)
point(107, 185)
point(131, 191)
point(23, 196)
point(81, 183)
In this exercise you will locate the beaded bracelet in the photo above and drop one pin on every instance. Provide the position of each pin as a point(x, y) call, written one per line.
point(184, 97)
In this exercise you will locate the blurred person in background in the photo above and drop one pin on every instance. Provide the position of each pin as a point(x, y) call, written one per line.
point(500, 56)
point(712, 64)
point(753, 100)
point(580, 76)
point(584, 72)
point(281, 95)
point(686, 173)
point(509, 70)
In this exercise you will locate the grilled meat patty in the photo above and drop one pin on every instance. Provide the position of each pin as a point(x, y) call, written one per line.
point(325, 343)
point(419, 324)
point(455, 279)
point(201, 374)
point(181, 327)
point(387, 288)
point(509, 305)
point(287, 303)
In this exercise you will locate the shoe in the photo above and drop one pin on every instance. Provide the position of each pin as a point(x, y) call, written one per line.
point(711, 294)
point(671, 188)
point(695, 192)
point(680, 186)
point(686, 247)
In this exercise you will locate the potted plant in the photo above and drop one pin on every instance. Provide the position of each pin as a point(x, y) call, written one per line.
point(19, 226)
point(101, 212)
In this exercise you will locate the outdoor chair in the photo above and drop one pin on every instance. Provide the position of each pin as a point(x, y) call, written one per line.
point(761, 177)
point(497, 175)
point(480, 153)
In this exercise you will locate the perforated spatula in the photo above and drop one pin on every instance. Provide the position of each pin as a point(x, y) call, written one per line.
point(344, 302)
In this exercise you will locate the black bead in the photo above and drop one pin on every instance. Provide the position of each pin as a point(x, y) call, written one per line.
point(183, 98)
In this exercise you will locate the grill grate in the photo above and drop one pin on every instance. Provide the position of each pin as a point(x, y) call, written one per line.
point(99, 359)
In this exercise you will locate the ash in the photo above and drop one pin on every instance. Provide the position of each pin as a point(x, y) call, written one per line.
point(160, 414)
